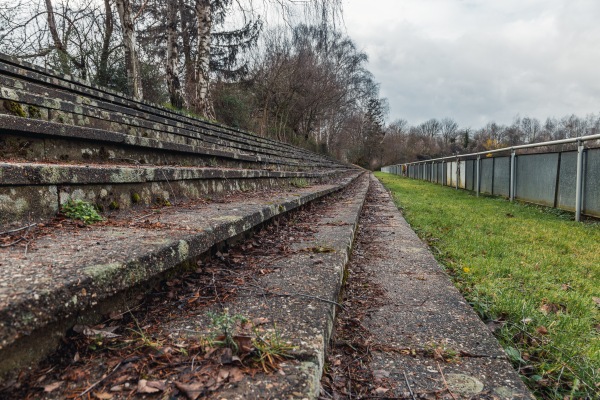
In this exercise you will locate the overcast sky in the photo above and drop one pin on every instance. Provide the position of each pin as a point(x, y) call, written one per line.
point(481, 60)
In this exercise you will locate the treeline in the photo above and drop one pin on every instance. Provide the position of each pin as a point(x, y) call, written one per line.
point(438, 138)
point(303, 83)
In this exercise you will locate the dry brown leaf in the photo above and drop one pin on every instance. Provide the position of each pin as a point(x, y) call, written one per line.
point(260, 321)
point(235, 375)
point(596, 300)
point(244, 343)
point(145, 386)
point(192, 390)
point(223, 374)
point(102, 395)
point(52, 386)
point(542, 330)
point(381, 390)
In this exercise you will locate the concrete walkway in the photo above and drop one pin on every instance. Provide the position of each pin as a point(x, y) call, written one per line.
point(430, 343)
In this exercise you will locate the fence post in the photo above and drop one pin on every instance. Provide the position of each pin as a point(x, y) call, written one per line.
point(457, 171)
point(579, 181)
point(478, 178)
point(511, 189)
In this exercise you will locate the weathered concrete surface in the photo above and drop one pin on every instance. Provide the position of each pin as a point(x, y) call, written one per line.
point(46, 95)
point(422, 311)
point(68, 272)
point(83, 140)
point(34, 191)
point(305, 316)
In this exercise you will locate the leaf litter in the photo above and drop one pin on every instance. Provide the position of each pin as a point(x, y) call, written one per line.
point(128, 354)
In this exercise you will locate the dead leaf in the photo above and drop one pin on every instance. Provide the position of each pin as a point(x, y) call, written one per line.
point(551, 308)
point(542, 330)
point(260, 321)
point(102, 395)
point(244, 343)
point(380, 374)
point(145, 386)
point(322, 249)
point(235, 375)
point(52, 386)
point(381, 390)
point(596, 300)
point(104, 333)
point(192, 390)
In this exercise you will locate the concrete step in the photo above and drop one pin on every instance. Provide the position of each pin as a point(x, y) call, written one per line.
point(34, 191)
point(38, 140)
point(30, 91)
point(55, 275)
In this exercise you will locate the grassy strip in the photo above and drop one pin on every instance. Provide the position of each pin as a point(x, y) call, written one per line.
point(530, 272)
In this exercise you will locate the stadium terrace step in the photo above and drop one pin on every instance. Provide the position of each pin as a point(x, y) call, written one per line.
point(30, 91)
point(56, 274)
point(33, 191)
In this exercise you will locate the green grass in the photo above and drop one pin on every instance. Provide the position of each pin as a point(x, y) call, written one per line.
point(532, 269)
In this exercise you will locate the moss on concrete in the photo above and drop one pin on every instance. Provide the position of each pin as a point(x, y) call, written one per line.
point(34, 112)
point(14, 108)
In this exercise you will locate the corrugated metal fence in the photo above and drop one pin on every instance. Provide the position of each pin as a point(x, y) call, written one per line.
point(568, 180)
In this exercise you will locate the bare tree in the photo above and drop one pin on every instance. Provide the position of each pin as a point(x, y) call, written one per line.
point(430, 127)
point(449, 130)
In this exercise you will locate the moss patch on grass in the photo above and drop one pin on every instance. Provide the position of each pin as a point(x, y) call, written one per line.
point(531, 272)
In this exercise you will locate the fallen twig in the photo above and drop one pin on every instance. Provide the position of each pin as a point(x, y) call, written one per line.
point(143, 216)
point(445, 383)
point(17, 230)
point(100, 381)
point(13, 243)
point(408, 385)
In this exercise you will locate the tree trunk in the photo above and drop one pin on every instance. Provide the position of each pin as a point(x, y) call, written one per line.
point(173, 84)
point(134, 81)
point(201, 101)
point(188, 62)
point(58, 44)
point(103, 76)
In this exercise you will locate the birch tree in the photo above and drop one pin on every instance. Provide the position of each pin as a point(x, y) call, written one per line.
point(173, 82)
point(132, 65)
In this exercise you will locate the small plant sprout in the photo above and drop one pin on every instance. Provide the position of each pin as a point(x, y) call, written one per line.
point(81, 210)
point(271, 349)
point(225, 324)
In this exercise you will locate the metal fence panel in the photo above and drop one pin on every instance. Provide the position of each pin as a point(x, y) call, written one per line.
point(462, 172)
point(487, 175)
point(591, 179)
point(451, 174)
point(502, 176)
point(536, 178)
point(566, 181)
point(470, 174)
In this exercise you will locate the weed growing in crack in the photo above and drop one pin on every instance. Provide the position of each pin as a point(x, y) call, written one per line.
point(225, 324)
point(81, 210)
point(271, 349)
